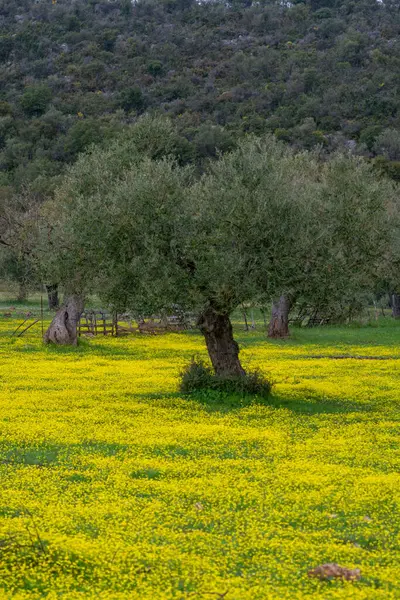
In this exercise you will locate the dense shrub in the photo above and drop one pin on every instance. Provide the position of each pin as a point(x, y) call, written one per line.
point(197, 376)
point(35, 100)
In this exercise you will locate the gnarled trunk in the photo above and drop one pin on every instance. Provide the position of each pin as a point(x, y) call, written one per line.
point(63, 328)
point(396, 306)
point(222, 348)
point(279, 324)
point(52, 296)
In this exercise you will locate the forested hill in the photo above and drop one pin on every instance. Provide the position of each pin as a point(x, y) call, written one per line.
point(73, 71)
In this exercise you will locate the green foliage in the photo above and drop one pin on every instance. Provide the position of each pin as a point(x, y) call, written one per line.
point(197, 376)
point(388, 144)
point(14, 266)
point(5, 109)
point(260, 222)
point(368, 136)
point(323, 13)
point(6, 46)
point(358, 217)
point(388, 167)
point(155, 67)
point(132, 99)
point(81, 135)
point(211, 140)
point(35, 100)
point(218, 70)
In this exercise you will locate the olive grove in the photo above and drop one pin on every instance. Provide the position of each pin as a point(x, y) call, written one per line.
point(261, 223)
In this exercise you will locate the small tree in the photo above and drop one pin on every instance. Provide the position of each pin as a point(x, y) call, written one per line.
point(16, 267)
point(18, 239)
point(35, 99)
point(389, 271)
point(388, 144)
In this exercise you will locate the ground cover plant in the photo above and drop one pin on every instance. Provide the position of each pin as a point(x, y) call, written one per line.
point(114, 485)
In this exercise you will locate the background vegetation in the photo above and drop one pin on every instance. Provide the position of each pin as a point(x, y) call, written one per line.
point(321, 72)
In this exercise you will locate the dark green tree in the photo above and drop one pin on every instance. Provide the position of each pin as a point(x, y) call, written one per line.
point(35, 100)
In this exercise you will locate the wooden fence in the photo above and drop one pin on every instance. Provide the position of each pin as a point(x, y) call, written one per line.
point(101, 322)
point(97, 322)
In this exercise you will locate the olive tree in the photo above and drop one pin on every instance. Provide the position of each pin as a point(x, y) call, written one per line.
point(147, 234)
point(18, 239)
point(358, 213)
point(261, 222)
point(349, 234)
point(80, 202)
point(259, 202)
point(389, 273)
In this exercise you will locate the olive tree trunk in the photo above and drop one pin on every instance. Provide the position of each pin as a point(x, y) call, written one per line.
point(396, 306)
point(63, 328)
point(22, 292)
point(52, 296)
point(222, 348)
point(279, 324)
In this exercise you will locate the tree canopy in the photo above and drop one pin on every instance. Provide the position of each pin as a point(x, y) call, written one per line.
point(261, 221)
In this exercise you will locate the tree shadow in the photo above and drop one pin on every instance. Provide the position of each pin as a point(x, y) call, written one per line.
point(50, 454)
point(332, 336)
point(214, 401)
point(85, 348)
point(319, 405)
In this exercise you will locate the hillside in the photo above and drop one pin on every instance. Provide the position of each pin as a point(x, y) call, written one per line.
point(72, 73)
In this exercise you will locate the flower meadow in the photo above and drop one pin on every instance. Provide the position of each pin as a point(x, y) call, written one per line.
point(115, 486)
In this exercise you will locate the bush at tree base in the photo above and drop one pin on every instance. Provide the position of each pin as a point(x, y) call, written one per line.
point(197, 376)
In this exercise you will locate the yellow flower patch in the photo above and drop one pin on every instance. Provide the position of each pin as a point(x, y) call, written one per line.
point(114, 486)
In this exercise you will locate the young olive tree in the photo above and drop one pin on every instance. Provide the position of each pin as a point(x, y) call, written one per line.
point(18, 238)
point(389, 272)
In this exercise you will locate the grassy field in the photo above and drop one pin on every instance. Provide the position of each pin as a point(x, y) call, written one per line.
point(115, 486)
